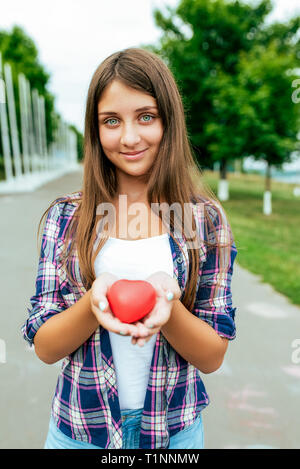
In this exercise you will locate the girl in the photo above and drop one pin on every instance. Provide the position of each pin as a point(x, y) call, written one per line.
point(133, 385)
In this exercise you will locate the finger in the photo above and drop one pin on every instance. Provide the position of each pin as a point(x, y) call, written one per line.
point(111, 323)
point(143, 331)
point(158, 320)
point(100, 288)
point(133, 340)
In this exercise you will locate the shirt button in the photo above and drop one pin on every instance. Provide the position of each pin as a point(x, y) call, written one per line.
point(179, 260)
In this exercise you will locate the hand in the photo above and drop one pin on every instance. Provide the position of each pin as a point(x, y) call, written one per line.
point(167, 291)
point(105, 317)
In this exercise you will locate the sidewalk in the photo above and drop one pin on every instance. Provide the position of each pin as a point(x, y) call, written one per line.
point(255, 395)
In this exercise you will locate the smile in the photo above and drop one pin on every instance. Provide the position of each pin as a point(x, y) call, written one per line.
point(134, 155)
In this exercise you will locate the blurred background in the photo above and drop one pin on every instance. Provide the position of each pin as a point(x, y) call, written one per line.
point(237, 66)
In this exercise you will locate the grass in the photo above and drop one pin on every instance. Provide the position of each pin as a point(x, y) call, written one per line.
point(268, 245)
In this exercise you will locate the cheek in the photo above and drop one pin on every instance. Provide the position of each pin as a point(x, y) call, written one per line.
point(155, 135)
point(109, 140)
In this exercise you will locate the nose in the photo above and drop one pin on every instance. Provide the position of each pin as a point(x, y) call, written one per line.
point(130, 136)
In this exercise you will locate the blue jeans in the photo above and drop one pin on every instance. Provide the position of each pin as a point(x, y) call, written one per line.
point(190, 438)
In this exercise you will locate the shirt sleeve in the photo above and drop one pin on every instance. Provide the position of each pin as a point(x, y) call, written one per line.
point(214, 305)
point(47, 300)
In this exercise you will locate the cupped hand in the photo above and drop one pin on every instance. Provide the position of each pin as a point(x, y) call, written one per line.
point(167, 291)
point(105, 316)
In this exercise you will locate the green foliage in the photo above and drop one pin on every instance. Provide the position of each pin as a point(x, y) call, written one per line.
point(267, 73)
point(79, 142)
point(231, 70)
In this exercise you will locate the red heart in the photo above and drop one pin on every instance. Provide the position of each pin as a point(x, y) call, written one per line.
point(131, 300)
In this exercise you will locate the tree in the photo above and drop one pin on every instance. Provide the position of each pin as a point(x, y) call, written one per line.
point(20, 52)
point(266, 74)
point(79, 142)
point(201, 43)
point(209, 46)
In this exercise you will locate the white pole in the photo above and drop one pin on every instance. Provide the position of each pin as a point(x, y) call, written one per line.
point(267, 207)
point(73, 138)
point(65, 142)
point(13, 121)
point(44, 130)
point(37, 128)
point(223, 192)
point(4, 130)
point(24, 123)
point(32, 140)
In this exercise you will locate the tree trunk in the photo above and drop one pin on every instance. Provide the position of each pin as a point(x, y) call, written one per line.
point(223, 193)
point(268, 178)
point(223, 169)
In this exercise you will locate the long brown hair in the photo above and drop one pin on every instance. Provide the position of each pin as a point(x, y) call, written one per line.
point(175, 175)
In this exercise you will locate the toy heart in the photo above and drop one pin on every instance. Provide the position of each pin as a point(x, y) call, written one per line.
point(131, 300)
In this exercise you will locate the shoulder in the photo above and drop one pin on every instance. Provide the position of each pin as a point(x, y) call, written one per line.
point(213, 222)
point(59, 215)
point(207, 209)
point(65, 205)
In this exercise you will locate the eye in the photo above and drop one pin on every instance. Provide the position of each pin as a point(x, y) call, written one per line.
point(111, 122)
point(147, 118)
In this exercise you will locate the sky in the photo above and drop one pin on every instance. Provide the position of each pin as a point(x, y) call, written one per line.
point(74, 36)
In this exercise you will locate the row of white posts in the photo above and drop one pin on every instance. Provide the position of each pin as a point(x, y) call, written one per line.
point(223, 193)
point(33, 163)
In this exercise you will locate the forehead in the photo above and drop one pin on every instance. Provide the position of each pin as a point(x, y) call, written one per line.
point(121, 96)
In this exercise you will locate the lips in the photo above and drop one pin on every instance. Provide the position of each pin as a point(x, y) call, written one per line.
point(134, 155)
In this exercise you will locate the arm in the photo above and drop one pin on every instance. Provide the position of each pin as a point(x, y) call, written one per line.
point(55, 330)
point(63, 333)
point(201, 336)
point(183, 325)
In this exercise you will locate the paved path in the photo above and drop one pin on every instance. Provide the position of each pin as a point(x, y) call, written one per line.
point(255, 395)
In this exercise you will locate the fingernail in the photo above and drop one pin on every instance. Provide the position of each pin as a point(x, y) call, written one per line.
point(102, 305)
point(170, 296)
point(122, 333)
point(150, 326)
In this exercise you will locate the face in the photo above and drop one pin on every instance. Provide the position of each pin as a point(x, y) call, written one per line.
point(130, 128)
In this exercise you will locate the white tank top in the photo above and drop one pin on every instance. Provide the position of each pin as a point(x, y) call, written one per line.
point(133, 260)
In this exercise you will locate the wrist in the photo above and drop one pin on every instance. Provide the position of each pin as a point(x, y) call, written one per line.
point(171, 317)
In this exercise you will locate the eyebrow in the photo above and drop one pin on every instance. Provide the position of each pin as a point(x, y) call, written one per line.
point(144, 108)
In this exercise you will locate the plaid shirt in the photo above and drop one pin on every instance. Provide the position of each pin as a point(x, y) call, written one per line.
point(85, 405)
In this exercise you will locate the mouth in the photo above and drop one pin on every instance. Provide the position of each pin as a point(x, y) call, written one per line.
point(133, 155)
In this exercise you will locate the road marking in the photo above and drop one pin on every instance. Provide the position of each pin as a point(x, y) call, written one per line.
point(292, 370)
point(268, 310)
